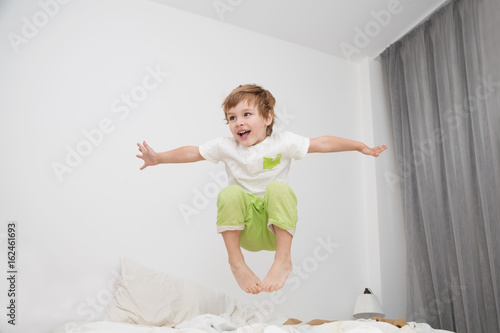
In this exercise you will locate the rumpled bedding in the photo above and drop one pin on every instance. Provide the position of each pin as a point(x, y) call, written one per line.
point(209, 323)
point(149, 301)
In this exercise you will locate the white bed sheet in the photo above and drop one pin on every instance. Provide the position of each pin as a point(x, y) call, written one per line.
point(145, 297)
point(218, 324)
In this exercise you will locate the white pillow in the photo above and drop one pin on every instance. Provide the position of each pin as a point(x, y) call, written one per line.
point(148, 297)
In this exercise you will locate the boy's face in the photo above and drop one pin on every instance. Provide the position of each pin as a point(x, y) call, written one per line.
point(247, 125)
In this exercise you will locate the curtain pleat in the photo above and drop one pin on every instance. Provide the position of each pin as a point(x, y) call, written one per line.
point(444, 86)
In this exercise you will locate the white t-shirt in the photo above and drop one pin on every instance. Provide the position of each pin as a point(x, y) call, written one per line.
point(254, 167)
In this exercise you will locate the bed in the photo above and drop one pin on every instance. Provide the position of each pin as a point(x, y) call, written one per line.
point(148, 301)
point(206, 324)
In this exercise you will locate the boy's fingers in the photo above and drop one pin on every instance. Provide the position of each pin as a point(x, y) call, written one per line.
point(148, 147)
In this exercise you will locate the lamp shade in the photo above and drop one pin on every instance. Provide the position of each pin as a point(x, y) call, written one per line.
point(367, 306)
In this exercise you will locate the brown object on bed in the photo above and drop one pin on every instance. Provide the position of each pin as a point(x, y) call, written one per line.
point(399, 322)
point(319, 322)
point(292, 321)
point(314, 322)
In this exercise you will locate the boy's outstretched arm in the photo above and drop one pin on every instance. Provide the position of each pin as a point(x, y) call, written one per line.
point(184, 154)
point(332, 144)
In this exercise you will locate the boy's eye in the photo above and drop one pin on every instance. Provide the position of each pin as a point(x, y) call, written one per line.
point(232, 117)
point(247, 114)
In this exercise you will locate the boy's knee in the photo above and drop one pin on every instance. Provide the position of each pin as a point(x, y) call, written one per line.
point(278, 187)
point(281, 194)
point(232, 192)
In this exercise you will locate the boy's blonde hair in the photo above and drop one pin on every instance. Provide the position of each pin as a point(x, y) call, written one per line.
point(255, 96)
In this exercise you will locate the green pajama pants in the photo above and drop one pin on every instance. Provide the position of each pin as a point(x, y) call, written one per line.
point(256, 216)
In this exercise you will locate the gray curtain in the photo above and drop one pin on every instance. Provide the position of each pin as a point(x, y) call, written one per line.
point(443, 80)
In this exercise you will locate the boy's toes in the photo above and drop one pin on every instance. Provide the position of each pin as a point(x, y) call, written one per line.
point(255, 289)
point(246, 279)
point(271, 288)
point(277, 276)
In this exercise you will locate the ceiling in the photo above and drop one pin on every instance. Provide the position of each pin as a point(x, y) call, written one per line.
point(353, 30)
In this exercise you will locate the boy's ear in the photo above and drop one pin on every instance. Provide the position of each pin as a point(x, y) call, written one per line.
point(270, 117)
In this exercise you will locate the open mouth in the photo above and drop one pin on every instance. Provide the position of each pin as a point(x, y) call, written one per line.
point(244, 134)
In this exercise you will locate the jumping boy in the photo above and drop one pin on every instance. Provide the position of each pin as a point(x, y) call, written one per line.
point(258, 210)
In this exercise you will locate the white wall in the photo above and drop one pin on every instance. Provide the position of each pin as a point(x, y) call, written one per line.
point(70, 77)
point(387, 256)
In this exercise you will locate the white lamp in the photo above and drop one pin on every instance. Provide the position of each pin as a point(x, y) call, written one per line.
point(367, 306)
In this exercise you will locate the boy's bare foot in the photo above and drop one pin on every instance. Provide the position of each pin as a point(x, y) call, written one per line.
point(277, 275)
point(246, 279)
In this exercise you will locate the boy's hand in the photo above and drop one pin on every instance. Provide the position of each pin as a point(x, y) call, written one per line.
point(373, 151)
point(148, 155)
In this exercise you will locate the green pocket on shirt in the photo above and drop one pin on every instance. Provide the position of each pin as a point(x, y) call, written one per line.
point(271, 162)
